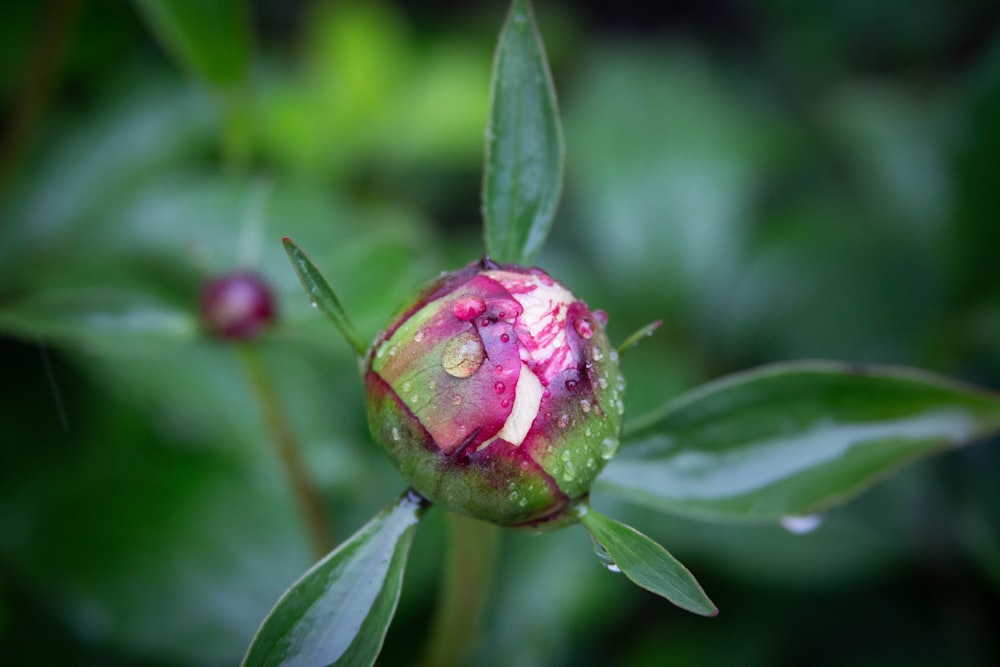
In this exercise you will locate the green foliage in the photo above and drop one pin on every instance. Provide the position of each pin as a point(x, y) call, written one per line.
point(646, 563)
point(792, 439)
point(322, 295)
point(339, 611)
point(522, 177)
point(210, 37)
point(797, 184)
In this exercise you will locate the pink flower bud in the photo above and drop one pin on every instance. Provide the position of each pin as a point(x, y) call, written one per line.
point(237, 306)
point(497, 394)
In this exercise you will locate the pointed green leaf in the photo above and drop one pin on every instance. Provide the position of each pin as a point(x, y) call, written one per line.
point(791, 439)
point(647, 564)
point(322, 294)
point(209, 37)
point(524, 145)
point(339, 611)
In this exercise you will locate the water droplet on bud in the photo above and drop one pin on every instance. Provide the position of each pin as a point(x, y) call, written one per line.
point(608, 449)
point(463, 355)
point(504, 338)
point(419, 336)
point(563, 421)
point(582, 327)
point(596, 353)
point(570, 385)
point(500, 387)
point(585, 405)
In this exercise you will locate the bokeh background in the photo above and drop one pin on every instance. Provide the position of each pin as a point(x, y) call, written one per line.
point(773, 180)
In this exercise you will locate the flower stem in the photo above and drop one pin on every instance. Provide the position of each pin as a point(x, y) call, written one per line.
point(307, 495)
point(468, 570)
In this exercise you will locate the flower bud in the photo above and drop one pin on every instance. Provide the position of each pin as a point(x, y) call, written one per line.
point(236, 306)
point(496, 393)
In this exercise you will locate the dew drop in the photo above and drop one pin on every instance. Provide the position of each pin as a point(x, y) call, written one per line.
point(583, 328)
point(565, 456)
point(525, 465)
point(406, 387)
point(419, 336)
point(597, 353)
point(484, 323)
point(585, 405)
point(505, 403)
point(604, 557)
point(602, 382)
point(456, 399)
point(609, 447)
point(504, 338)
point(522, 502)
point(463, 355)
point(432, 385)
point(500, 387)
point(563, 421)
point(548, 415)
point(395, 434)
point(801, 525)
point(601, 317)
point(498, 368)
point(314, 304)
point(570, 385)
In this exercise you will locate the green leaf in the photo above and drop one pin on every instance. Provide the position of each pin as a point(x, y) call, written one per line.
point(647, 564)
point(339, 611)
point(524, 146)
point(209, 37)
point(322, 294)
point(791, 439)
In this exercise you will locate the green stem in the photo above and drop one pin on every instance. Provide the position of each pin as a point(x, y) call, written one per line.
point(39, 77)
point(472, 549)
point(307, 495)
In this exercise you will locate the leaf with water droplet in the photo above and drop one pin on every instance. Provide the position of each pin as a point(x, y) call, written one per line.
point(646, 563)
point(322, 295)
point(792, 439)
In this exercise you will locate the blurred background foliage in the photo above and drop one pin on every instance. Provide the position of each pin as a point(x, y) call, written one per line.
point(773, 180)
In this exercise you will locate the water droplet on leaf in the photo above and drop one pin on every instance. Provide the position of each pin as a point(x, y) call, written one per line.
point(604, 557)
point(801, 525)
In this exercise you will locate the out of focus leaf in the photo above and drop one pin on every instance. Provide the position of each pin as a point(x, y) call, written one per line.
point(524, 146)
point(210, 37)
point(791, 439)
point(339, 611)
point(647, 564)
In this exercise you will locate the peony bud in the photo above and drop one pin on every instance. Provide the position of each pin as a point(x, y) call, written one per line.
point(497, 394)
point(236, 306)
